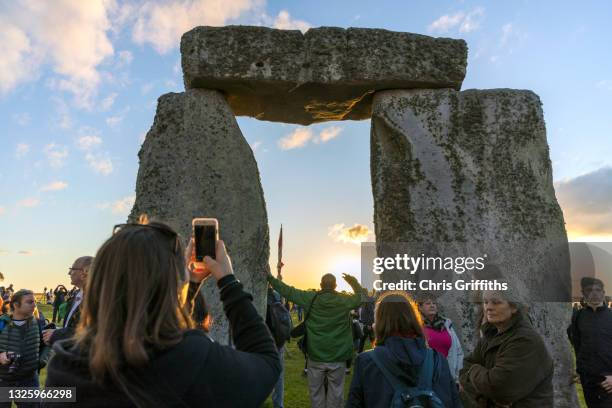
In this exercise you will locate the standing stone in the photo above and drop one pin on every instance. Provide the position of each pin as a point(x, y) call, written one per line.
point(328, 73)
point(196, 163)
point(468, 174)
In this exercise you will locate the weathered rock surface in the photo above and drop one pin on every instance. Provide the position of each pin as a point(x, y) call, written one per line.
point(196, 163)
point(467, 174)
point(329, 73)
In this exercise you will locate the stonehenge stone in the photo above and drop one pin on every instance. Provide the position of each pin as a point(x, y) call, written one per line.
point(328, 73)
point(195, 162)
point(468, 173)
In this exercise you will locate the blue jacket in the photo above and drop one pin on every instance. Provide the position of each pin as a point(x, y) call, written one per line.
point(370, 389)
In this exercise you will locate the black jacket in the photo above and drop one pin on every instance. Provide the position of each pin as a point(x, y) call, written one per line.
point(69, 327)
point(196, 372)
point(591, 336)
point(370, 389)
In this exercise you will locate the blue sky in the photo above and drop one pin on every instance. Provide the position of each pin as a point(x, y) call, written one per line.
point(78, 89)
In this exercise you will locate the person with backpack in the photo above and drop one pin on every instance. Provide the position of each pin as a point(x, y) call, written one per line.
point(401, 371)
point(278, 320)
point(590, 333)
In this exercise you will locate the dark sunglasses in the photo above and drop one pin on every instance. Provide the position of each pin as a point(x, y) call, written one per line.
point(164, 230)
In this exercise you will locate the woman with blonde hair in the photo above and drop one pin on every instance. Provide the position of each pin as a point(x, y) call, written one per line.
point(136, 344)
point(401, 364)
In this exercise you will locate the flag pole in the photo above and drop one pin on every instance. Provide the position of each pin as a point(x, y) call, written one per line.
point(279, 264)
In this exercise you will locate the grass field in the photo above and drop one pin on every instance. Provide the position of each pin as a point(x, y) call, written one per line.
point(296, 385)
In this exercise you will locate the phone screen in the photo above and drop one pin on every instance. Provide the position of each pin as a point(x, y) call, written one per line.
point(205, 237)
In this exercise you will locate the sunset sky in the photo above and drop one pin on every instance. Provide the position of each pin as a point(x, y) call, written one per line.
point(79, 82)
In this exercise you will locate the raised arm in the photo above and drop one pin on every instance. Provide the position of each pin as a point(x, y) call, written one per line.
point(301, 297)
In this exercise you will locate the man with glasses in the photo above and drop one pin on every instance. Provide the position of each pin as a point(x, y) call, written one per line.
point(78, 277)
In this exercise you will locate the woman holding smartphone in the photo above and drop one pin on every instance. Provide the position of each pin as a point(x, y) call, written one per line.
point(136, 344)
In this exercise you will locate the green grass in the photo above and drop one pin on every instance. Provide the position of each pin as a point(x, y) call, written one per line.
point(296, 385)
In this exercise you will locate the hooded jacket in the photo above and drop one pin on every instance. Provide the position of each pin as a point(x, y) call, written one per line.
point(370, 389)
point(196, 371)
point(509, 368)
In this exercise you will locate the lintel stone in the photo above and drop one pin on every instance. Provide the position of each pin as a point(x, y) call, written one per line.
point(328, 73)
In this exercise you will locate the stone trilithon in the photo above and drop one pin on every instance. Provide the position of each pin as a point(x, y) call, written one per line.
point(460, 171)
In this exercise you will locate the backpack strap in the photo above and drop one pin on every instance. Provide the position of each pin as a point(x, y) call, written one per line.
point(426, 371)
point(310, 307)
point(390, 371)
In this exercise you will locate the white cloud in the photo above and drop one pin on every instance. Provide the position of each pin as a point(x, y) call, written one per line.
point(466, 22)
point(70, 36)
point(55, 186)
point(2, 211)
point(472, 20)
point(300, 137)
point(19, 58)
point(56, 154)
point(113, 121)
point(121, 206)
point(328, 134)
point(255, 145)
point(88, 142)
point(25, 252)
point(162, 24)
point(108, 102)
point(446, 22)
point(356, 234)
point(296, 139)
point(28, 202)
point(284, 22)
point(21, 150)
point(63, 119)
point(99, 164)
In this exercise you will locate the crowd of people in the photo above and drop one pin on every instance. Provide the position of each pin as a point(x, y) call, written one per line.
point(133, 332)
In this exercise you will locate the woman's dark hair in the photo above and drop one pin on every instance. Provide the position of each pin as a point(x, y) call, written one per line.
point(132, 304)
point(396, 314)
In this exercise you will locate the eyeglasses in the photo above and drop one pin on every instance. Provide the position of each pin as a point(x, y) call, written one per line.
point(75, 269)
point(164, 230)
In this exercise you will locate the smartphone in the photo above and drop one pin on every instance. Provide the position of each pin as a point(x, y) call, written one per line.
point(205, 235)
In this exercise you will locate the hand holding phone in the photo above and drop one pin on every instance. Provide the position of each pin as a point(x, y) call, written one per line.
point(205, 234)
point(218, 268)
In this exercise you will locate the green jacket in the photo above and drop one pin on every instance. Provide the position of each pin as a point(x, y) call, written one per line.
point(512, 367)
point(328, 329)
